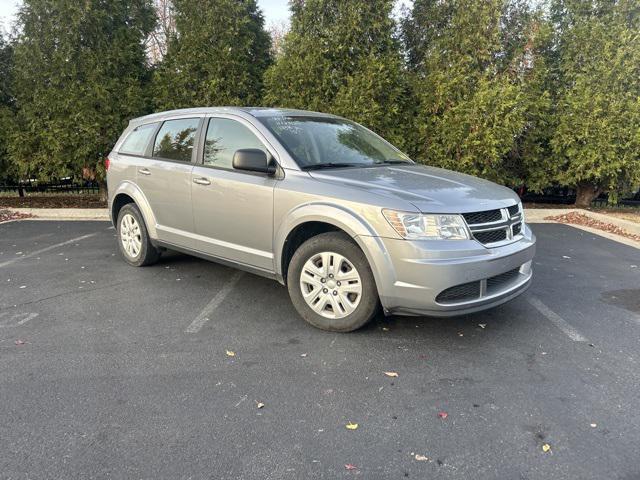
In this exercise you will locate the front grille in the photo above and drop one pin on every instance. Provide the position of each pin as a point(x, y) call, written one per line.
point(492, 236)
point(488, 216)
point(497, 282)
point(459, 293)
point(517, 228)
point(495, 226)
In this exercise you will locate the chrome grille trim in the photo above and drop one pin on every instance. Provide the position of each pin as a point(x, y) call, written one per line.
point(510, 223)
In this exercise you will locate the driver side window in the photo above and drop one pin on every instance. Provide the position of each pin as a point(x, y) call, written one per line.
point(224, 138)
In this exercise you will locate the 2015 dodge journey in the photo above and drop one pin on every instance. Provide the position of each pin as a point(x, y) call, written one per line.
point(321, 204)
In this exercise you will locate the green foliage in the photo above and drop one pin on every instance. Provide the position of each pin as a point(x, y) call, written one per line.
point(341, 57)
point(217, 56)
point(597, 139)
point(471, 102)
point(80, 73)
point(6, 105)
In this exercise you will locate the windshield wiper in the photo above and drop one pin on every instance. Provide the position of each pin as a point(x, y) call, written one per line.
point(319, 166)
point(393, 162)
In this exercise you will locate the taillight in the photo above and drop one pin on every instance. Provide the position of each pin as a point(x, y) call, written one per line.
point(107, 162)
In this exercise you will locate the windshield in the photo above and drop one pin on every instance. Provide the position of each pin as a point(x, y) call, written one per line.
point(325, 142)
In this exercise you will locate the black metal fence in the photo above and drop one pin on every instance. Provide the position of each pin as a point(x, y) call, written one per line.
point(567, 196)
point(60, 187)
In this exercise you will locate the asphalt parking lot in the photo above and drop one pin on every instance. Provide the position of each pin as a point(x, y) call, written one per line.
point(108, 371)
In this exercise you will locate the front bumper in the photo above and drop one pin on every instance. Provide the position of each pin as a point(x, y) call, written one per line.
point(417, 277)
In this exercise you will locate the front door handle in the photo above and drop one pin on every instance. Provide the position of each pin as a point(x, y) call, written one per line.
point(144, 171)
point(202, 181)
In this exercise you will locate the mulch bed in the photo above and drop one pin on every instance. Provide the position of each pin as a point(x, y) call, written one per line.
point(575, 218)
point(6, 215)
point(53, 201)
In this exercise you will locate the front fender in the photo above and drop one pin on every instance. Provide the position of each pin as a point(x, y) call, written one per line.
point(133, 191)
point(343, 218)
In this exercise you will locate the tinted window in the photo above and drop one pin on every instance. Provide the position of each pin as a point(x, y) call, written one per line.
point(224, 138)
point(137, 141)
point(175, 139)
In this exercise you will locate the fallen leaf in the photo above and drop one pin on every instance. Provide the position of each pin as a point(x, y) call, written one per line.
point(230, 353)
point(546, 447)
point(259, 404)
point(349, 466)
point(443, 415)
point(421, 458)
point(482, 325)
point(391, 374)
point(351, 426)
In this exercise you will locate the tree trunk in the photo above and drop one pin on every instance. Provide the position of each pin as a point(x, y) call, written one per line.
point(586, 193)
point(102, 189)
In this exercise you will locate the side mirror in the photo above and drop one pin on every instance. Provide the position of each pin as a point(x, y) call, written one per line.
point(253, 160)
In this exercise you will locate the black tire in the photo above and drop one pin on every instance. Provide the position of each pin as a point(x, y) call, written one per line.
point(341, 244)
point(148, 254)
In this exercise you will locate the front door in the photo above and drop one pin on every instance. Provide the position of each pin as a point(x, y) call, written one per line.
point(232, 209)
point(165, 180)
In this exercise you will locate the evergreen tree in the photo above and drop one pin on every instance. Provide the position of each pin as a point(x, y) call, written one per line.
point(79, 76)
point(597, 139)
point(471, 106)
point(217, 56)
point(6, 105)
point(341, 57)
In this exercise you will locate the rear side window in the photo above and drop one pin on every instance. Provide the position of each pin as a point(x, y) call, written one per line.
point(175, 139)
point(137, 141)
point(224, 138)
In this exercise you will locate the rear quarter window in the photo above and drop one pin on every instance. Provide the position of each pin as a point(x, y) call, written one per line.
point(138, 140)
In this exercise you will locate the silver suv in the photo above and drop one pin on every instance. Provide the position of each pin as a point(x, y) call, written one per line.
point(326, 207)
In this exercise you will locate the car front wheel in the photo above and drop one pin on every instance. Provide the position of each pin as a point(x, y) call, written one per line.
point(133, 238)
point(331, 284)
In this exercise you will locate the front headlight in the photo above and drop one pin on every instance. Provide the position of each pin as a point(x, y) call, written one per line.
point(427, 227)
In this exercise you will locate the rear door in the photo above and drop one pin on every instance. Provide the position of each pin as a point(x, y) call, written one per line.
point(233, 209)
point(165, 179)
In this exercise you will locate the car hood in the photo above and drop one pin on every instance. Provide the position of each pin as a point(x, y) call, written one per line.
point(429, 189)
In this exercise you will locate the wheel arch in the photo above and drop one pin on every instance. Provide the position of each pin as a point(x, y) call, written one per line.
point(309, 220)
point(128, 192)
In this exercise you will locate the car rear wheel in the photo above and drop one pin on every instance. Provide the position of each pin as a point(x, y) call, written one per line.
point(133, 238)
point(331, 284)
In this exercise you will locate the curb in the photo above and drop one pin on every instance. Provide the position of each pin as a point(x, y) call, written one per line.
point(101, 214)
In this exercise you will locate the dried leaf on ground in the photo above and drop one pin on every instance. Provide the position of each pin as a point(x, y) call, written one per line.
point(351, 426)
point(6, 215)
point(576, 218)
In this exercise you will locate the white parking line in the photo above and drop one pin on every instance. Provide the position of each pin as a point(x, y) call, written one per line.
point(215, 302)
point(46, 249)
point(557, 320)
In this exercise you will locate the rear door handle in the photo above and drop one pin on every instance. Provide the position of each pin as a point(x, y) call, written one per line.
point(144, 171)
point(202, 181)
